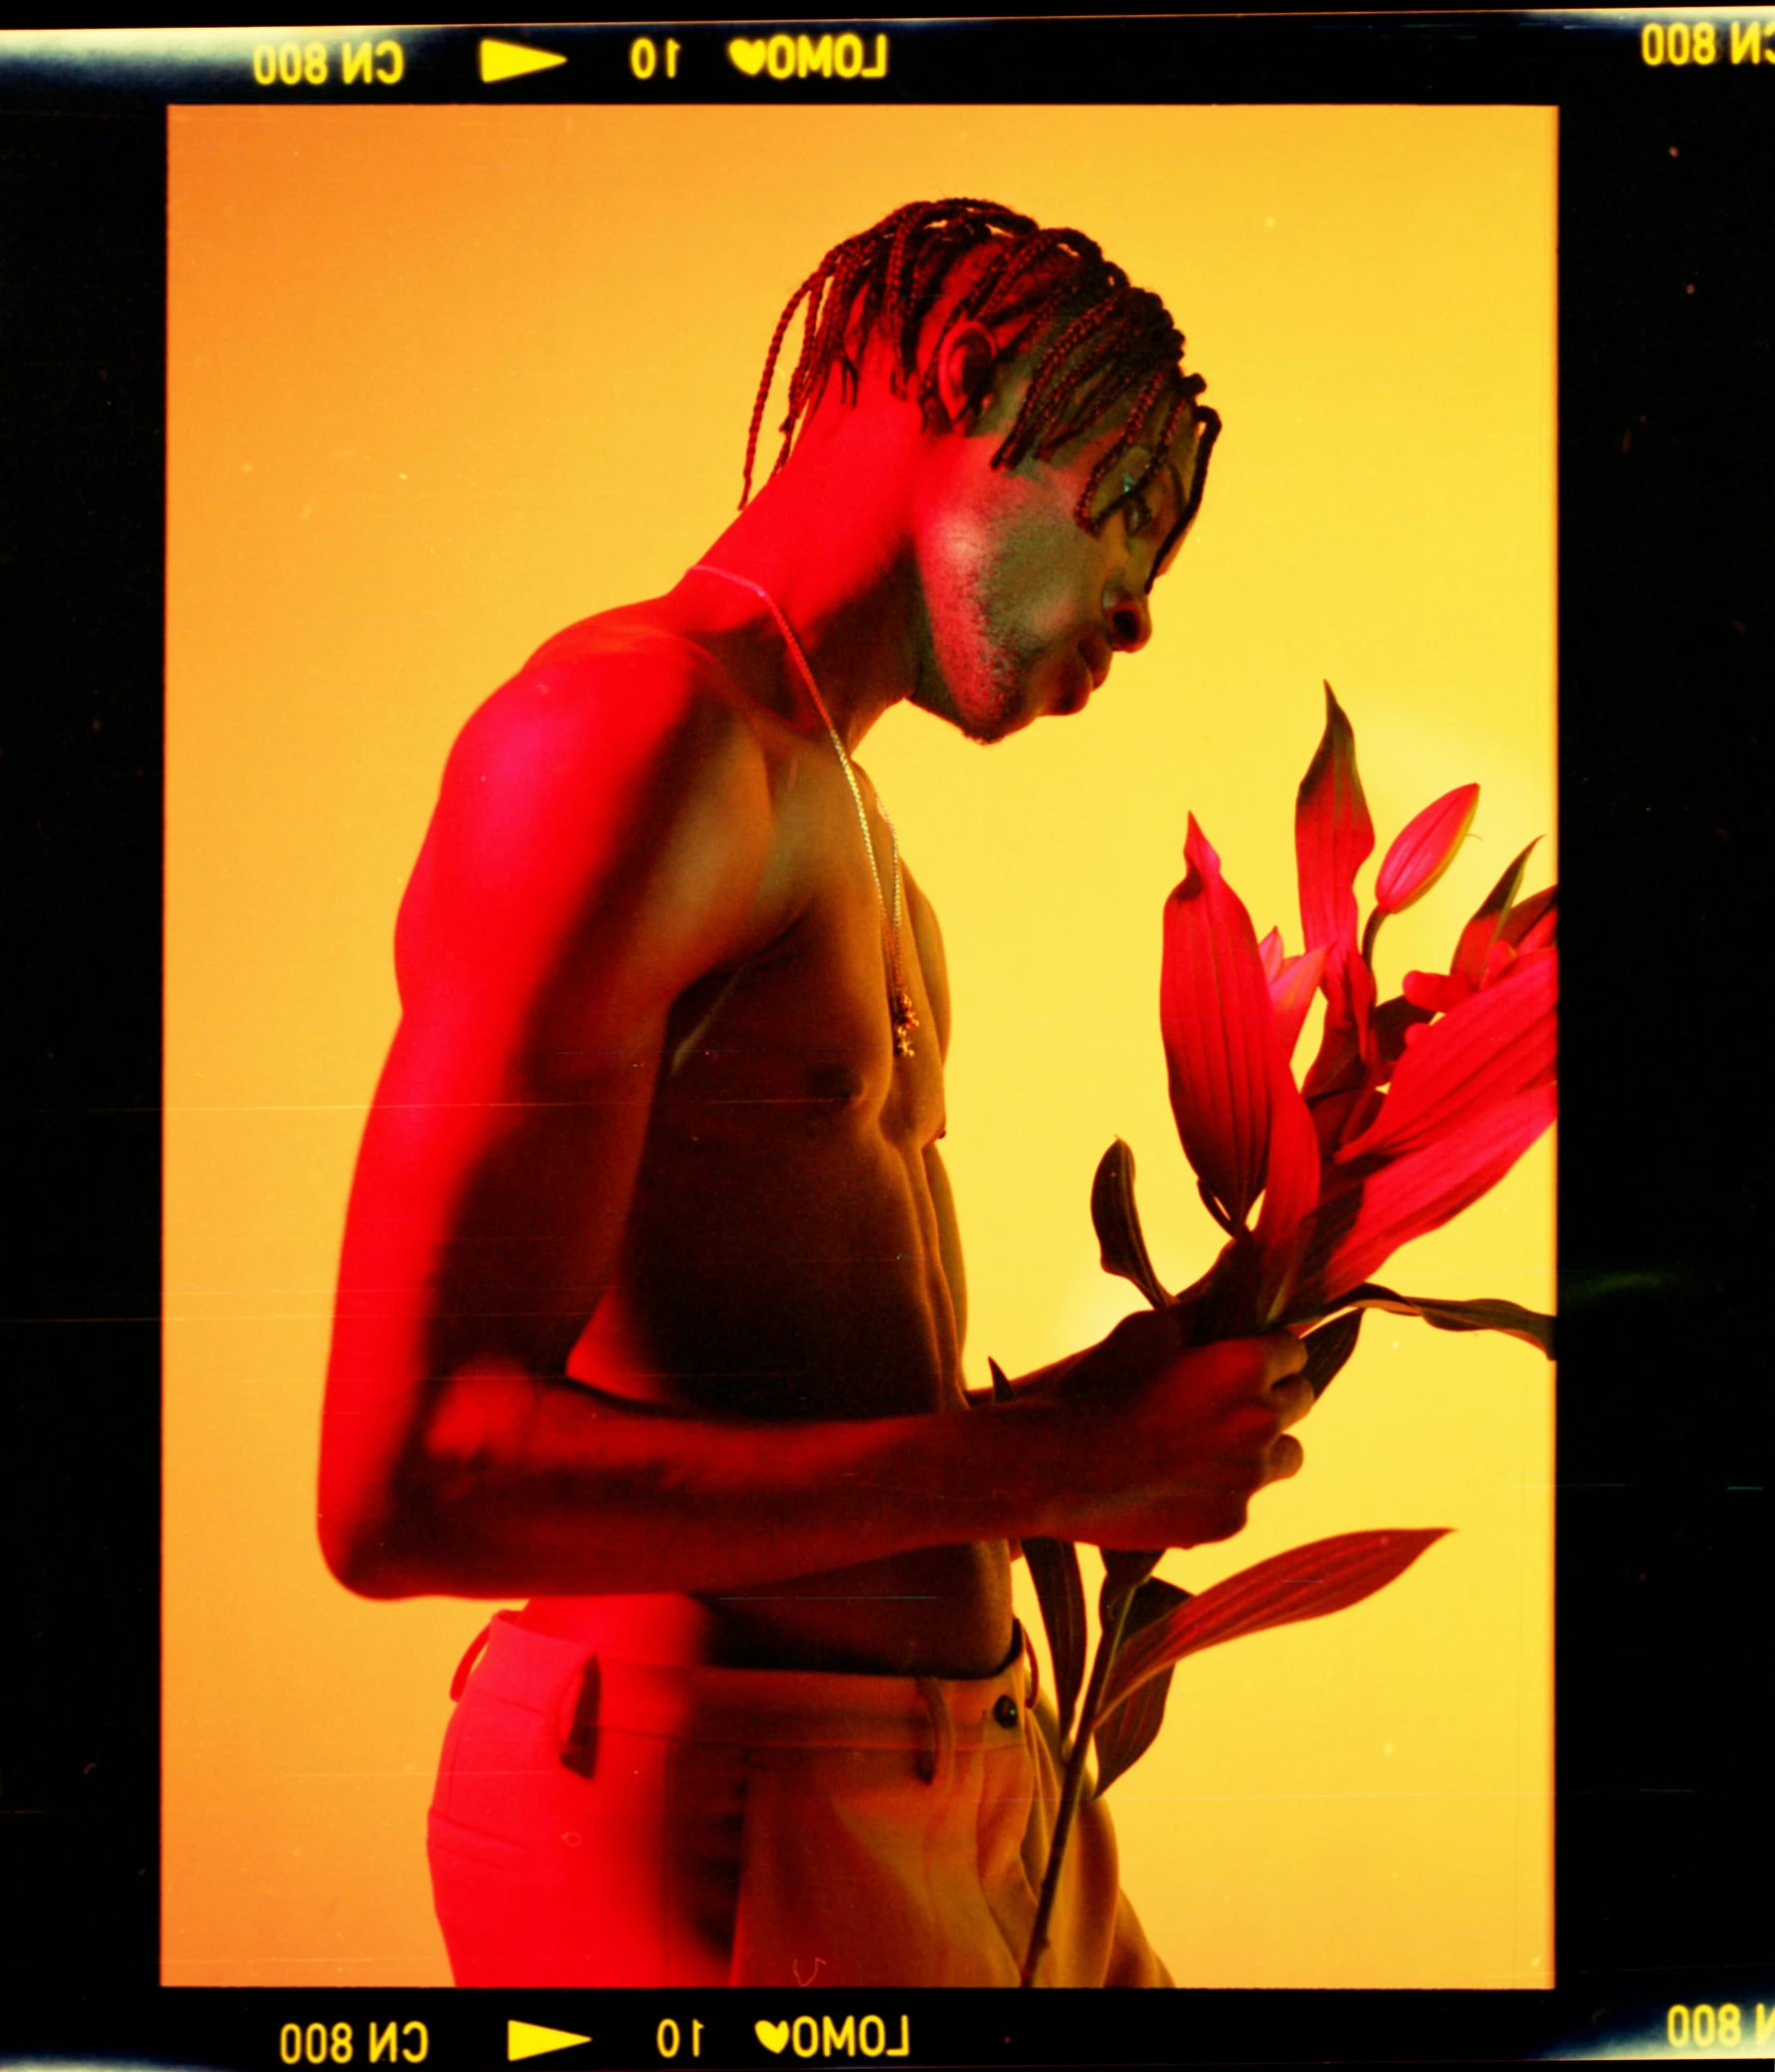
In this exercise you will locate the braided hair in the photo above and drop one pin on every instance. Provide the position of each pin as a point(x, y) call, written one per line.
point(1106, 341)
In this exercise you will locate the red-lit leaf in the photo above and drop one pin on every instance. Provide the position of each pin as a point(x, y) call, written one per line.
point(1370, 1211)
point(1482, 932)
point(1486, 1314)
point(1425, 850)
point(1060, 1592)
point(1333, 836)
point(1270, 953)
point(1125, 1569)
point(1306, 1583)
point(1131, 1729)
point(1328, 1349)
point(1496, 1044)
point(1122, 1245)
point(1221, 1043)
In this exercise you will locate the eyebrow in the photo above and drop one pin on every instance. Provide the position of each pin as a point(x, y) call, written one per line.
point(1208, 430)
point(1173, 537)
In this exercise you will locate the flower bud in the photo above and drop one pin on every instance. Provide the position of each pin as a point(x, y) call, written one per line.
point(1425, 850)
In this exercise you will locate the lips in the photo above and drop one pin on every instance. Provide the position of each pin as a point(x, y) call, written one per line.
point(1097, 660)
point(1080, 683)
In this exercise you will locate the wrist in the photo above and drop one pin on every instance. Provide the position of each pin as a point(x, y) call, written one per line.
point(1023, 1461)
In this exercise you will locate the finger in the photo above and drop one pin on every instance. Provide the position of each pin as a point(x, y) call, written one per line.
point(1291, 1400)
point(1284, 1459)
point(1284, 1355)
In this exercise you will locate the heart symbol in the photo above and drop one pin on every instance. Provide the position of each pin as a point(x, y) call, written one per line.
point(748, 53)
point(773, 2035)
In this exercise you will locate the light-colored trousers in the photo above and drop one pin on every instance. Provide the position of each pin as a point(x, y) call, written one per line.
point(603, 1822)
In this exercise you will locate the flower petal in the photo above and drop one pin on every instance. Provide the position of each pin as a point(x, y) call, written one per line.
point(1529, 924)
point(1332, 834)
point(1291, 987)
point(1394, 1025)
point(1482, 932)
point(1500, 1042)
point(1290, 1192)
point(1433, 993)
point(1425, 850)
point(1220, 1045)
point(1371, 1210)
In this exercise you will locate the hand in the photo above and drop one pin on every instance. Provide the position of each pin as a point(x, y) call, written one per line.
point(1167, 1442)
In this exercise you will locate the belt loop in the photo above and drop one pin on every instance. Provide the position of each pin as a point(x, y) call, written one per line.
point(579, 1721)
point(460, 1682)
point(937, 1763)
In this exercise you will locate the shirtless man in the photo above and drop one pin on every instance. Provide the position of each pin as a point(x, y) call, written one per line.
point(651, 1304)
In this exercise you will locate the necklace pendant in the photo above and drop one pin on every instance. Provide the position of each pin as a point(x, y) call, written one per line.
point(905, 1019)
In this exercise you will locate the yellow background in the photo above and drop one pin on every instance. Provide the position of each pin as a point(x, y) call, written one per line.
point(443, 379)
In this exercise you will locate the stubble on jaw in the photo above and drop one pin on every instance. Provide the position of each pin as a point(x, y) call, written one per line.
point(975, 665)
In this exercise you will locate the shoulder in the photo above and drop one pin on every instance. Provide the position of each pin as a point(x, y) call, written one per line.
point(609, 705)
point(615, 786)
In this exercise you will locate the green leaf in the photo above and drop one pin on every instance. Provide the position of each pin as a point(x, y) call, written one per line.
point(1116, 1222)
point(1059, 1590)
point(1329, 1347)
point(1306, 1583)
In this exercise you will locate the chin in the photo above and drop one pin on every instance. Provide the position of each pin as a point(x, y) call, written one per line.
point(984, 712)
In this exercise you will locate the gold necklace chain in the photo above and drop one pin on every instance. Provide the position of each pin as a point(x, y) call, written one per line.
point(900, 1008)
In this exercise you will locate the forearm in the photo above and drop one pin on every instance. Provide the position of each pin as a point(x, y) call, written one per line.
point(524, 1488)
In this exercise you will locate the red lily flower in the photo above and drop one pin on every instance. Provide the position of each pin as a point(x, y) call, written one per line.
point(1412, 1107)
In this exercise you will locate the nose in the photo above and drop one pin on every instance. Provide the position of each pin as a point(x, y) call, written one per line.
point(1130, 621)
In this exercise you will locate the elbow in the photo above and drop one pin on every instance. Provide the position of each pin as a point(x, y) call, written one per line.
point(411, 1522)
point(373, 1531)
point(366, 1553)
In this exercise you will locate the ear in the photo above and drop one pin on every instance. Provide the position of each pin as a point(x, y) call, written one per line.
point(967, 375)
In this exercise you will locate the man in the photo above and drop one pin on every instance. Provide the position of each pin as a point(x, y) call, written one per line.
point(652, 1304)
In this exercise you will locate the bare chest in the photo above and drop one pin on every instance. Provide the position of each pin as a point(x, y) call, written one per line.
point(831, 1027)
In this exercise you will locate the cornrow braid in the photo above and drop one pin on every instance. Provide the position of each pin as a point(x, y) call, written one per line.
point(1106, 340)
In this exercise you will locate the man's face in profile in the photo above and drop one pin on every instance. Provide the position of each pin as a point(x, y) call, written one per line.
point(1025, 608)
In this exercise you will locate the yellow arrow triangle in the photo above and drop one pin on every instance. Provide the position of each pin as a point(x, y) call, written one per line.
point(531, 2039)
point(512, 61)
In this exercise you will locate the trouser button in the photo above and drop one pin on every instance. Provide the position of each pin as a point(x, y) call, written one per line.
point(1005, 1711)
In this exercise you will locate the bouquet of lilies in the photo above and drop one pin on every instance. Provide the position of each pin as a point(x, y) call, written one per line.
point(1412, 1109)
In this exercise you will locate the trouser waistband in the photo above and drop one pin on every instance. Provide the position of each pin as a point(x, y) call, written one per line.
point(587, 1688)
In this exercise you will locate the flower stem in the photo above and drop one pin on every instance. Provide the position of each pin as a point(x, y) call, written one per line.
point(1072, 1790)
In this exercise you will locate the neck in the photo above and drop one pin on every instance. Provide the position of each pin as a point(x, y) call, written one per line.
point(827, 541)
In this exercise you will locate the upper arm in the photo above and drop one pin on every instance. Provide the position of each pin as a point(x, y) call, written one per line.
point(599, 843)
